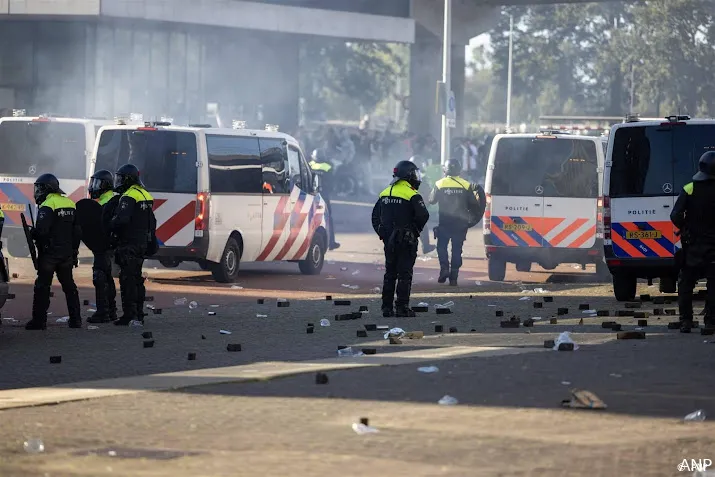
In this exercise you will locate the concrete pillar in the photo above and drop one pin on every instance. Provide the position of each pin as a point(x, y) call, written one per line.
point(425, 72)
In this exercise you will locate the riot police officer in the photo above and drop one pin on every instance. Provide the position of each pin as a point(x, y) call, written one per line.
point(101, 189)
point(398, 218)
point(134, 227)
point(2, 222)
point(693, 215)
point(459, 210)
point(57, 236)
point(320, 165)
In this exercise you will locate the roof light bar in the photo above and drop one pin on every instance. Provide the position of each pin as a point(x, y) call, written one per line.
point(236, 124)
point(272, 127)
point(16, 113)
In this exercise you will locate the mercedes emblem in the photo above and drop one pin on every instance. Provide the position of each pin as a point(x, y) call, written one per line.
point(667, 187)
point(33, 170)
point(539, 190)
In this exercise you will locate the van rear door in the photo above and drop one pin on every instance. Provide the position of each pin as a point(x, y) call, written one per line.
point(167, 161)
point(642, 191)
point(570, 192)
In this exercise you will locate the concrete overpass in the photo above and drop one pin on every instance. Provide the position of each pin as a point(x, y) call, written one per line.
point(107, 57)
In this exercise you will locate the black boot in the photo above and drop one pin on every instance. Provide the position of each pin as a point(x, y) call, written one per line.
point(73, 308)
point(686, 325)
point(443, 275)
point(387, 311)
point(101, 317)
point(453, 277)
point(36, 325)
point(404, 311)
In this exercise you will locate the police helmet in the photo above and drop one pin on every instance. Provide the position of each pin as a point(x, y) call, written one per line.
point(452, 167)
point(45, 185)
point(706, 166)
point(125, 177)
point(319, 155)
point(407, 171)
point(101, 182)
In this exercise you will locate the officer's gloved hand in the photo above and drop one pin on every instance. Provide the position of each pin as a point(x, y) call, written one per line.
point(75, 259)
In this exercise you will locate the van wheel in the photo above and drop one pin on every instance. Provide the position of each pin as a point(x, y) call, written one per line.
point(667, 285)
point(313, 263)
point(226, 271)
point(624, 287)
point(523, 267)
point(603, 274)
point(168, 262)
point(497, 269)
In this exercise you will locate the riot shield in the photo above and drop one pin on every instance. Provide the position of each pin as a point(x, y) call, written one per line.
point(89, 217)
point(30, 242)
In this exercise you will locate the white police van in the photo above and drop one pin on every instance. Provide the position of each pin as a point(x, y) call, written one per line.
point(35, 145)
point(222, 196)
point(542, 191)
point(648, 163)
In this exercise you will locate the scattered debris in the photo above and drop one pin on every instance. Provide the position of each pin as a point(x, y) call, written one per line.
point(631, 335)
point(548, 299)
point(348, 352)
point(584, 306)
point(55, 359)
point(528, 323)
point(310, 330)
point(603, 313)
point(696, 416)
point(233, 348)
point(367, 351)
point(642, 322)
point(149, 344)
point(562, 311)
point(554, 321)
point(225, 332)
point(582, 399)
point(362, 429)
point(361, 334)
point(261, 316)
point(549, 343)
point(370, 327)
point(590, 312)
point(443, 311)
point(538, 304)
point(453, 329)
point(394, 341)
point(341, 302)
point(282, 303)
point(448, 400)
point(192, 357)
point(565, 339)
point(147, 335)
point(261, 301)
point(499, 313)
point(420, 309)
point(607, 324)
point(328, 298)
point(633, 305)
point(324, 322)
point(395, 333)
point(363, 309)
point(616, 327)
point(64, 319)
point(181, 302)
point(321, 378)
point(34, 446)
point(438, 328)
point(415, 335)
point(428, 369)
point(193, 305)
point(92, 327)
point(212, 313)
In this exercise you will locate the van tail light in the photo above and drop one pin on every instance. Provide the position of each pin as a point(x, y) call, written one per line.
point(487, 220)
point(604, 216)
point(202, 211)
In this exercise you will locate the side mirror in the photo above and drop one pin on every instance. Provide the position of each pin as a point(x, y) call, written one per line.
point(316, 183)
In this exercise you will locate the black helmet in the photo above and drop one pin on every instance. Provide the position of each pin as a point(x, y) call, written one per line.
point(45, 185)
point(706, 166)
point(125, 177)
point(101, 182)
point(319, 155)
point(452, 167)
point(407, 171)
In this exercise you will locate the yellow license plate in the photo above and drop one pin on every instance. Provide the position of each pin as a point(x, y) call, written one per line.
point(517, 227)
point(12, 207)
point(644, 234)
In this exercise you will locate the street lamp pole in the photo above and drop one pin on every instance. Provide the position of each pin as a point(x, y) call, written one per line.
point(446, 74)
point(509, 72)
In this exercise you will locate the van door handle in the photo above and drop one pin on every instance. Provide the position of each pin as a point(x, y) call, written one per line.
point(537, 205)
point(666, 206)
point(548, 205)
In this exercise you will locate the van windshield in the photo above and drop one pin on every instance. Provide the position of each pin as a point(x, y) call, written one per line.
point(32, 148)
point(556, 167)
point(166, 159)
point(657, 160)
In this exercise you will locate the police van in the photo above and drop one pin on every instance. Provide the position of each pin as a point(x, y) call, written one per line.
point(34, 145)
point(648, 163)
point(542, 191)
point(223, 196)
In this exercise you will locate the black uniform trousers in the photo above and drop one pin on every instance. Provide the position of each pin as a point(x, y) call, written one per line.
point(47, 267)
point(689, 276)
point(457, 236)
point(130, 259)
point(105, 291)
point(400, 257)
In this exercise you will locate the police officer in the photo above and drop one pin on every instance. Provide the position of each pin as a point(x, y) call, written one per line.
point(427, 247)
point(134, 227)
point(2, 222)
point(320, 165)
point(101, 189)
point(693, 215)
point(57, 235)
point(398, 218)
point(459, 210)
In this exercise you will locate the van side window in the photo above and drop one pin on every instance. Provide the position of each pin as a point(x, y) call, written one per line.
point(306, 174)
point(234, 164)
point(642, 161)
point(166, 159)
point(294, 164)
point(274, 162)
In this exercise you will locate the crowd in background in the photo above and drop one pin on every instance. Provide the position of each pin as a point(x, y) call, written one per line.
point(367, 155)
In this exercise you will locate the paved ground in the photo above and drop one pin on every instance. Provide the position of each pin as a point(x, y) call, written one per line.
point(508, 420)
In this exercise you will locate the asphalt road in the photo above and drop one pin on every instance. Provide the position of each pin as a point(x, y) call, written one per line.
point(259, 411)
